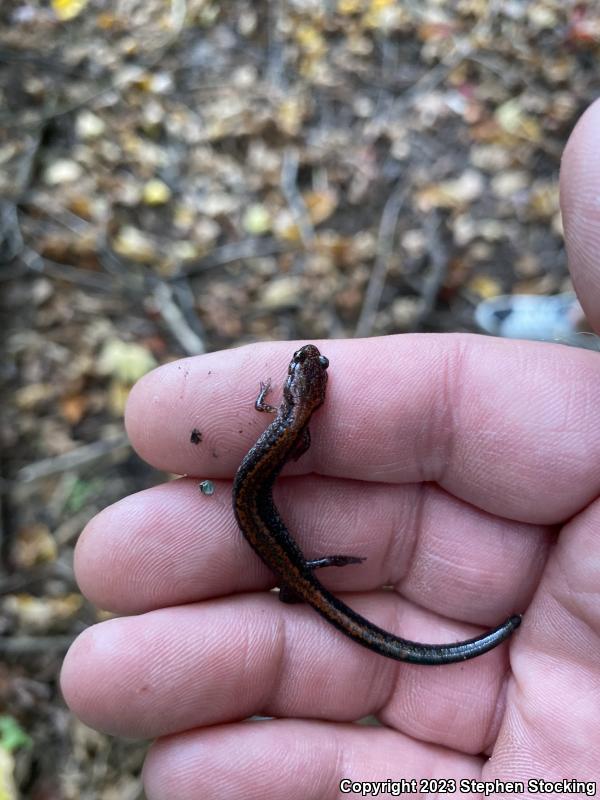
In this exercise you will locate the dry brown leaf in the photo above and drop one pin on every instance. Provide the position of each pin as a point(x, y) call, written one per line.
point(34, 544)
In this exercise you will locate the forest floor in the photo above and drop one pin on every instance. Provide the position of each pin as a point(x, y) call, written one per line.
point(185, 177)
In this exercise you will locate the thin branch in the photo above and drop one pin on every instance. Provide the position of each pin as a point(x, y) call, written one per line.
point(385, 245)
point(173, 317)
point(178, 14)
point(103, 282)
point(232, 252)
point(11, 239)
point(74, 459)
point(437, 272)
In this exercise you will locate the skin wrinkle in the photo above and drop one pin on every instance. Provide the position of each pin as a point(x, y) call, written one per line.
point(423, 540)
point(454, 366)
point(416, 526)
point(495, 722)
point(342, 766)
point(452, 700)
point(575, 607)
point(546, 739)
point(273, 688)
point(392, 540)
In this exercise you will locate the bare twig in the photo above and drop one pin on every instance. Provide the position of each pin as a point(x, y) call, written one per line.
point(11, 239)
point(174, 319)
point(385, 245)
point(178, 12)
point(72, 222)
point(67, 272)
point(74, 459)
point(275, 62)
point(186, 301)
point(437, 272)
point(235, 251)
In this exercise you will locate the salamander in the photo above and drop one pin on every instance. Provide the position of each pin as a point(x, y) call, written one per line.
point(287, 438)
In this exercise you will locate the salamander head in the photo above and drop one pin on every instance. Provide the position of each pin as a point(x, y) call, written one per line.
point(307, 378)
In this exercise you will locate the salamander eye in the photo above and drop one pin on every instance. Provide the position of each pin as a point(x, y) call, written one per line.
point(324, 361)
point(299, 356)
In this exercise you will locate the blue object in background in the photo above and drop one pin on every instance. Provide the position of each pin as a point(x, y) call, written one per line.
point(558, 318)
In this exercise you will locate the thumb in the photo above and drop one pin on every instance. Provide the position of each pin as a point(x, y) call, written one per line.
point(580, 204)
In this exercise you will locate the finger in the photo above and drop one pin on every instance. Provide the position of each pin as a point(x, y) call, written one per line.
point(505, 425)
point(554, 704)
point(171, 545)
point(293, 759)
point(579, 191)
point(175, 669)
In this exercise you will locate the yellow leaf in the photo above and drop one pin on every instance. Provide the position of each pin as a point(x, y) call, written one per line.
point(40, 613)
point(134, 244)
point(34, 545)
point(484, 286)
point(257, 219)
point(513, 119)
point(284, 292)
point(117, 397)
point(156, 193)
point(310, 39)
point(349, 7)
point(457, 192)
point(385, 14)
point(125, 361)
point(68, 9)
point(289, 115)
point(544, 200)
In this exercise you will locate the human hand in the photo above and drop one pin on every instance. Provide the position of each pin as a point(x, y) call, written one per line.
point(466, 470)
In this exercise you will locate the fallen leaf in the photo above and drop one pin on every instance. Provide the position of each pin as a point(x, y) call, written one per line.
point(68, 9)
point(34, 544)
point(134, 244)
point(257, 219)
point(320, 205)
point(156, 193)
point(484, 286)
point(125, 361)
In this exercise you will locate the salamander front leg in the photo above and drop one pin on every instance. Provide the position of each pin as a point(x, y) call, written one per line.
point(259, 403)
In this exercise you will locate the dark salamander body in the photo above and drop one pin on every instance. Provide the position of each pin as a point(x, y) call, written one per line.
point(287, 437)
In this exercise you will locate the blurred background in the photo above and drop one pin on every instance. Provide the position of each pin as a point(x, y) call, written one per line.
point(182, 176)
